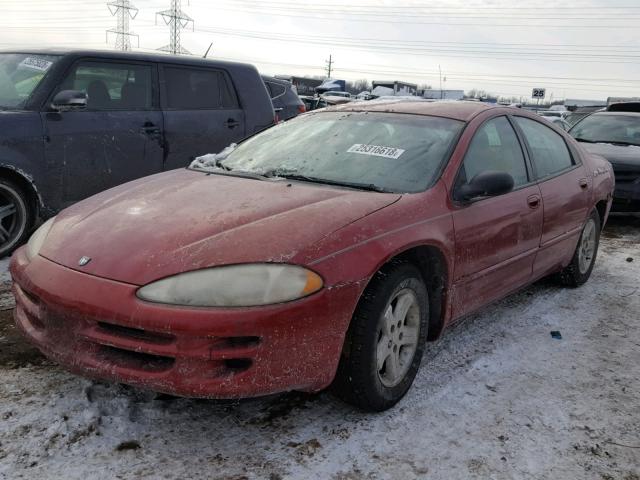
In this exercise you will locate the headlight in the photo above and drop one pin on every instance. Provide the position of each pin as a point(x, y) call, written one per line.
point(37, 239)
point(247, 285)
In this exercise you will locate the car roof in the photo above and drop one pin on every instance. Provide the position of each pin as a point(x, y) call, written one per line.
point(457, 110)
point(120, 55)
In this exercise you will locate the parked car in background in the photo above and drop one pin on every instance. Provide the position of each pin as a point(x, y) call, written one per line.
point(406, 217)
point(286, 102)
point(74, 123)
point(559, 121)
point(336, 97)
point(615, 135)
point(313, 102)
point(335, 93)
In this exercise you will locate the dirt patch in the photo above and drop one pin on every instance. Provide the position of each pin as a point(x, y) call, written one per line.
point(15, 351)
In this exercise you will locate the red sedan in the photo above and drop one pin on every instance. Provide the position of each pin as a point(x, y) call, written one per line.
point(324, 251)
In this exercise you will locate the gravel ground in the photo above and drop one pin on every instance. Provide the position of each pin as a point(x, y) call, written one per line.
point(496, 398)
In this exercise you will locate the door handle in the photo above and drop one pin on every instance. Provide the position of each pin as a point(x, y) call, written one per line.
point(231, 123)
point(150, 129)
point(533, 201)
point(584, 183)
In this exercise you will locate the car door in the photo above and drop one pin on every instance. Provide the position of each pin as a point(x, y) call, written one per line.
point(201, 113)
point(565, 189)
point(116, 138)
point(496, 238)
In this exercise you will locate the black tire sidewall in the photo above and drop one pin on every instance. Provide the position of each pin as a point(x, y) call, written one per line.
point(24, 213)
point(360, 374)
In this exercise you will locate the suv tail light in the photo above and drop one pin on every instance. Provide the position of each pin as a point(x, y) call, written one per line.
point(302, 108)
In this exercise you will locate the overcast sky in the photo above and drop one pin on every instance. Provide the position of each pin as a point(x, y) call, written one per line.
point(587, 49)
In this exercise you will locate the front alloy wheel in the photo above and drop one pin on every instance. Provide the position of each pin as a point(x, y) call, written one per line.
point(385, 340)
point(398, 337)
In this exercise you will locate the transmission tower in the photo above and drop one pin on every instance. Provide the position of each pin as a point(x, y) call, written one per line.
point(124, 10)
point(177, 20)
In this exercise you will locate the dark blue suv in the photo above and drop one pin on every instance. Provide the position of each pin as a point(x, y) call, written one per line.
point(73, 123)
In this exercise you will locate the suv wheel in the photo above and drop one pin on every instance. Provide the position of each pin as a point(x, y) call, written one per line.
point(16, 218)
point(385, 341)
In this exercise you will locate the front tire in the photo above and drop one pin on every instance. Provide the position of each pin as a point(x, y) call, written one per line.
point(385, 341)
point(584, 258)
point(16, 217)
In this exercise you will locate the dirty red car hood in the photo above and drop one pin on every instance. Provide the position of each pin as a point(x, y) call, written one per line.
point(185, 220)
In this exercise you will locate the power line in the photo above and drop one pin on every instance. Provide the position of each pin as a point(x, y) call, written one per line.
point(386, 48)
point(124, 10)
point(314, 15)
point(177, 20)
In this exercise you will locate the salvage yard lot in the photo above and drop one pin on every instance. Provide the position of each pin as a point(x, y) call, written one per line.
point(497, 397)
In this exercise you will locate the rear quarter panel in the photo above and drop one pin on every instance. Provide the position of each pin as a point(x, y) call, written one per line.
point(601, 177)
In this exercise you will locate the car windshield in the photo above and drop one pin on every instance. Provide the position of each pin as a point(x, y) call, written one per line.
point(607, 128)
point(376, 151)
point(20, 74)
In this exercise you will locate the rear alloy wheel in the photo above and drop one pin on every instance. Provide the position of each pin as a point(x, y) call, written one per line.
point(584, 257)
point(385, 341)
point(16, 218)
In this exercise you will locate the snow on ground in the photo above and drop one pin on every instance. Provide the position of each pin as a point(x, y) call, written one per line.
point(496, 398)
point(6, 298)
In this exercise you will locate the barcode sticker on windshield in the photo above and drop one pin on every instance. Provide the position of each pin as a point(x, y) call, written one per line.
point(376, 150)
point(36, 63)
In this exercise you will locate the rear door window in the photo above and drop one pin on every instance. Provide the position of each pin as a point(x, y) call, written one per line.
point(548, 149)
point(195, 89)
point(495, 147)
point(275, 90)
point(112, 86)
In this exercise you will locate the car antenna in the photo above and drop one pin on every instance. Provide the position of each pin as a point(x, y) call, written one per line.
point(207, 52)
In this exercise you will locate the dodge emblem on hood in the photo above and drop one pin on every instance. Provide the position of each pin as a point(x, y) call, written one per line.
point(83, 261)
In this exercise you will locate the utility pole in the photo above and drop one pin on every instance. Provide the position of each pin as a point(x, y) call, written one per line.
point(177, 20)
point(329, 64)
point(440, 72)
point(124, 10)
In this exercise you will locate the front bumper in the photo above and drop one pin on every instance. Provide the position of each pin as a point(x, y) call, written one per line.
point(626, 197)
point(98, 328)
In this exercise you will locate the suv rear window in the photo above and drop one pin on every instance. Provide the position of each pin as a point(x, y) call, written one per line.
point(275, 90)
point(192, 89)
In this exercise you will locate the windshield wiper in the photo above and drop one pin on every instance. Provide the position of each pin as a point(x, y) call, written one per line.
point(620, 143)
point(610, 142)
point(340, 183)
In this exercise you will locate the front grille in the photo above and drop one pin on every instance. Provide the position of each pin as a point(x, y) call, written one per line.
point(135, 360)
point(627, 177)
point(136, 333)
point(237, 365)
point(233, 343)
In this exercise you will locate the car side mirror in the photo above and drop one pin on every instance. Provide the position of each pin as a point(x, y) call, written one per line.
point(69, 100)
point(485, 184)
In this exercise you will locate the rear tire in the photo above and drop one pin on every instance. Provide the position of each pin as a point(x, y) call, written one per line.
point(385, 341)
point(16, 217)
point(584, 258)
